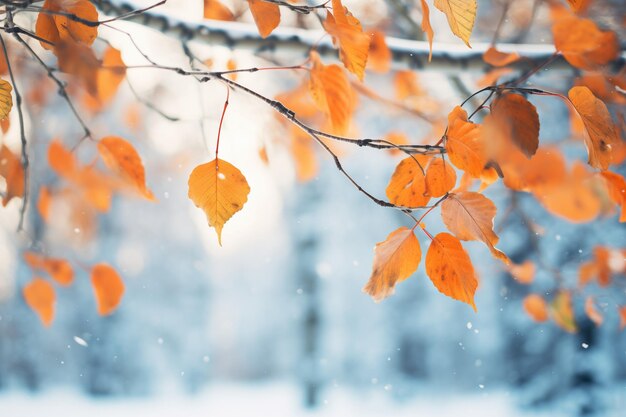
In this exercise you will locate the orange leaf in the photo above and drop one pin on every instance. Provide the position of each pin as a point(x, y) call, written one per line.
point(578, 5)
point(496, 58)
point(524, 273)
point(120, 156)
point(13, 172)
point(39, 295)
point(379, 58)
point(407, 187)
point(517, 118)
point(440, 177)
point(584, 45)
point(563, 312)
point(592, 312)
point(617, 191)
point(63, 26)
point(427, 28)
point(469, 216)
point(406, 85)
point(219, 189)
point(108, 288)
point(464, 143)
point(214, 9)
point(332, 93)
point(461, 15)
point(395, 259)
point(536, 307)
point(266, 16)
point(450, 269)
point(59, 269)
point(396, 138)
point(110, 75)
point(43, 203)
point(80, 61)
point(347, 32)
point(601, 131)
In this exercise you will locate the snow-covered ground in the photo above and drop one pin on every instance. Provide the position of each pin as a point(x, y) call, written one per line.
point(275, 399)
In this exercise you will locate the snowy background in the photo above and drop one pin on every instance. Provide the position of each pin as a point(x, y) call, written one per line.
point(274, 322)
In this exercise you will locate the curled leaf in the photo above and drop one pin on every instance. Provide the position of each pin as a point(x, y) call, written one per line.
point(6, 100)
point(601, 131)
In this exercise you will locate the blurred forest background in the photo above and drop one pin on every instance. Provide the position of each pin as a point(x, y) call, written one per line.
point(276, 318)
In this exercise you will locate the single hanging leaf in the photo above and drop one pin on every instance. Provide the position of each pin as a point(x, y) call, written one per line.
point(6, 100)
point(214, 9)
point(379, 56)
point(330, 87)
point(440, 177)
point(395, 259)
point(617, 191)
point(108, 288)
point(496, 58)
point(601, 131)
point(464, 143)
point(536, 307)
point(517, 118)
point(427, 28)
point(583, 44)
point(592, 312)
point(266, 16)
point(348, 34)
point(59, 269)
point(450, 269)
point(563, 312)
point(120, 156)
point(13, 172)
point(469, 216)
point(461, 15)
point(219, 189)
point(407, 187)
point(40, 296)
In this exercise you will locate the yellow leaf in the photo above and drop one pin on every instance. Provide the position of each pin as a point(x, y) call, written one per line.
point(563, 312)
point(469, 216)
point(601, 132)
point(120, 156)
point(461, 15)
point(39, 295)
point(395, 260)
point(6, 100)
point(108, 288)
point(450, 269)
point(219, 189)
point(266, 16)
